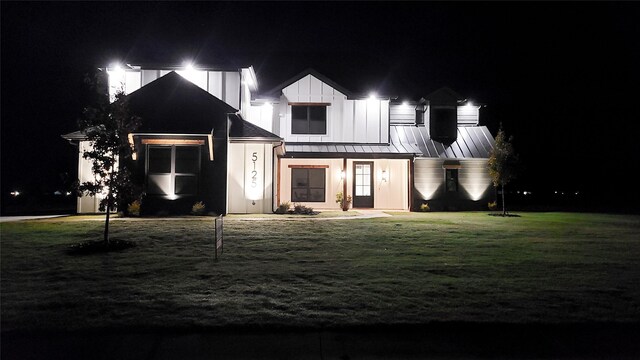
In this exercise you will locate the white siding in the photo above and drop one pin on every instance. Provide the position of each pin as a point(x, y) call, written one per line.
point(250, 178)
point(428, 178)
point(232, 89)
point(225, 85)
point(402, 113)
point(468, 115)
point(365, 121)
point(86, 204)
point(473, 179)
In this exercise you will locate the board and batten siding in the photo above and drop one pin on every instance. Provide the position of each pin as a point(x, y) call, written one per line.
point(250, 178)
point(473, 179)
point(86, 204)
point(225, 85)
point(405, 114)
point(363, 121)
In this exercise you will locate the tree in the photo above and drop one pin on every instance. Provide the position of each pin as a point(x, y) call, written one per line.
point(502, 164)
point(106, 126)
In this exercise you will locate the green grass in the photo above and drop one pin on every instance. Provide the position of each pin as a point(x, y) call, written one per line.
point(409, 268)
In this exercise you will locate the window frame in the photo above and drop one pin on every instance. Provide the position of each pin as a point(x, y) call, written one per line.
point(172, 172)
point(308, 186)
point(455, 178)
point(308, 119)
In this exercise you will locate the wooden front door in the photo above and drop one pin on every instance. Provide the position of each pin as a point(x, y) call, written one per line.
point(363, 184)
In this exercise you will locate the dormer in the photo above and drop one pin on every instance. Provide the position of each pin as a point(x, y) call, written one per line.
point(443, 114)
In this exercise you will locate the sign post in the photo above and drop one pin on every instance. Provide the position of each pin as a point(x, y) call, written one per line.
point(219, 243)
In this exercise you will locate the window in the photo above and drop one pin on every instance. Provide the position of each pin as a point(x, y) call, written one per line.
point(308, 185)
point(173, 170)
point(451, 180)
point(308, 119)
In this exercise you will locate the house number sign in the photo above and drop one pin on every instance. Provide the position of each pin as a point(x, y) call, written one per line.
point(254, 172)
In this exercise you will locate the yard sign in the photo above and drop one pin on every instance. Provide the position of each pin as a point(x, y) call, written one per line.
point(218, 237)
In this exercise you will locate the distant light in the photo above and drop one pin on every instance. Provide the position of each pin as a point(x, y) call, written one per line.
point(525, 192)
point(15, 193)
point(577, 192)
point(57, 193)
point(68, 193)
point(556, 192)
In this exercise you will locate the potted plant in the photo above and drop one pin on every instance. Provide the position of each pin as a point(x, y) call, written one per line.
point(345, 203)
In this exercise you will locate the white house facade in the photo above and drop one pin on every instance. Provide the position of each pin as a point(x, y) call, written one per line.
point(304, 142)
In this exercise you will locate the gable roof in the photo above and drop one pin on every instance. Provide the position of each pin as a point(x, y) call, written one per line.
point(276, 91)
point(173, 104)
point(240, 128)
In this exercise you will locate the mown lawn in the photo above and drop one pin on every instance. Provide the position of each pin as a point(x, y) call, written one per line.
point(409, 268)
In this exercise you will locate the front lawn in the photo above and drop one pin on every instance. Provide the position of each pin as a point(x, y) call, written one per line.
point(409, 268)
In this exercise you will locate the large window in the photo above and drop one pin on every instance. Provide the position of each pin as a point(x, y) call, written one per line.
point(451, 180)
point(308, 185)
point(308, 119)
point(173, 170)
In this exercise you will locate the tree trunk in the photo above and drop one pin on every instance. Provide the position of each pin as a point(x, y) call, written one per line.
point(504, 209)
point(109, 202)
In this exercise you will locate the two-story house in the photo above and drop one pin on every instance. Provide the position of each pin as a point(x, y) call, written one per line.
point(208, 135)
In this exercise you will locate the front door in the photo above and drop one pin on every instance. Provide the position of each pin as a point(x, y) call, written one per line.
point(363, 184)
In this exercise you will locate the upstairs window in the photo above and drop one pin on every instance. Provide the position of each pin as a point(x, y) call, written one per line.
point(308, 119)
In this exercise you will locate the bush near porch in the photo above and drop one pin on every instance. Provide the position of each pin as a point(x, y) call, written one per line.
point(411, 268)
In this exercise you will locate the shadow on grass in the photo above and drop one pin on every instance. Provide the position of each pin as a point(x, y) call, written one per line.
point(98, 247)
point(504, 215)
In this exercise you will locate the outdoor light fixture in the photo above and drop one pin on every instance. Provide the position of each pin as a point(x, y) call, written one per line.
point(15, 193)
point(384, 175)
point(405, 104)
point(342, 175)
point(372, 96)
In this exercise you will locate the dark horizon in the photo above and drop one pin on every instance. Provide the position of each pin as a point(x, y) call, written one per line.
point(560, 78)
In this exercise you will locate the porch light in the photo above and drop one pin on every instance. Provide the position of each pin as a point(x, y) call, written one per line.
point(384, 175)
point(342, 175)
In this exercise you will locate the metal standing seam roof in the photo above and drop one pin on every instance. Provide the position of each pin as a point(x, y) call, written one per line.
point(473, 142)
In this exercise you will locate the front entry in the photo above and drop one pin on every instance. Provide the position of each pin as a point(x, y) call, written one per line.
point(363, 184)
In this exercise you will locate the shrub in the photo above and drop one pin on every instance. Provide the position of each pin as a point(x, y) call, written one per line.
point(493, 206)
point(198, 208)
point(303, 210)
point(134, 208)
point(424, 207)
point(344, 204)
point(283, 208)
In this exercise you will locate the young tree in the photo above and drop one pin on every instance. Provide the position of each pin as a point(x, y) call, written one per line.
point(502, 164)
point(107, 125)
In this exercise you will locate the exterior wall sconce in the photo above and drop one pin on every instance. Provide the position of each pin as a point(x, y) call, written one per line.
point(342, 175)
point(384, 175)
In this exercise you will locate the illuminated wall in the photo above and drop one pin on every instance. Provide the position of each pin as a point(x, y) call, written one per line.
point(250, 178)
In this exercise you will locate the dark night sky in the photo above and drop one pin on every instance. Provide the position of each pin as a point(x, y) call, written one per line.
point(562, 78)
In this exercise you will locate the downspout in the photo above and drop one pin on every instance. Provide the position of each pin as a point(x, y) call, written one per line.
point(344, 184)
point(411, 170)
point(277, 177)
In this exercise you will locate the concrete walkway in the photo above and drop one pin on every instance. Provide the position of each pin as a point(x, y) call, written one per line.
point(361, 214)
